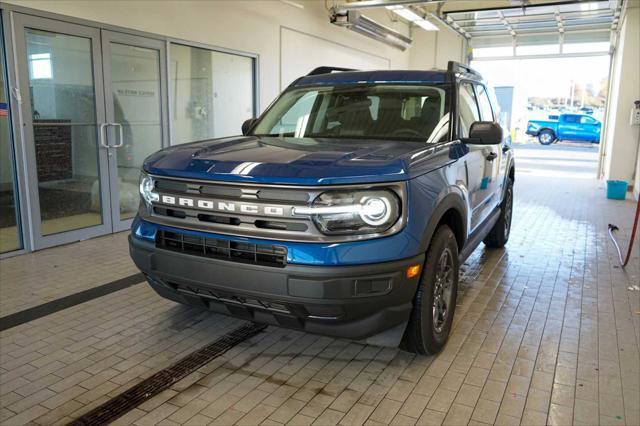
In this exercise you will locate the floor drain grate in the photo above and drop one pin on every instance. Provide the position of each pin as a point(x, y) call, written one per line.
point(147, 389)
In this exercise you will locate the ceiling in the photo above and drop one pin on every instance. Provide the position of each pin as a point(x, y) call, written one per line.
point(493, 23)
point(537, 23)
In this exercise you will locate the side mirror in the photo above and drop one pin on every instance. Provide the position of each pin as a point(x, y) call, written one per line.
point(484, 133)
point(247, 125)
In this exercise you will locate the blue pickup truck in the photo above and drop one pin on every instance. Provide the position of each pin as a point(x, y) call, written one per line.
point(576, 127)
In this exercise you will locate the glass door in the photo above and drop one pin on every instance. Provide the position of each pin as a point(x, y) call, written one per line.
point(135, 101)
point(10, 229)
point(60, 74)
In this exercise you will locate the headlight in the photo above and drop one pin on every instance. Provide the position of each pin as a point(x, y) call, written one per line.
point(147, 187)
point(353, 212)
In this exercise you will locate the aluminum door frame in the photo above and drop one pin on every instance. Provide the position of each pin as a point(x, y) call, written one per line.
point(20, 23)
point(108, 37)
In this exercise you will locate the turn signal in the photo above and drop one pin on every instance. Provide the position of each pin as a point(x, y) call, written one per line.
point(413, 270)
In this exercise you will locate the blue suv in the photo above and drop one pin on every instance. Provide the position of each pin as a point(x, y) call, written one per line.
point(345, 209)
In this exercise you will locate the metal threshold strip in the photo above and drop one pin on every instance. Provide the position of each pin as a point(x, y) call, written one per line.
point(152, 386)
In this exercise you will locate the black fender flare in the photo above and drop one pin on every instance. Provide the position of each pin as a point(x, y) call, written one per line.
point(451, 201)
point(511, 165)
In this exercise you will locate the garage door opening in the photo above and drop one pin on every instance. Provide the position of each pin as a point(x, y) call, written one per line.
point(553, 109)
point(550, 66)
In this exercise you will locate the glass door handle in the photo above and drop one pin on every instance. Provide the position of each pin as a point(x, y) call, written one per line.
point(120, 135)
point(103, 140)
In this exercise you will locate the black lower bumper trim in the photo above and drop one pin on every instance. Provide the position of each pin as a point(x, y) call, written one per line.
point(353, 302)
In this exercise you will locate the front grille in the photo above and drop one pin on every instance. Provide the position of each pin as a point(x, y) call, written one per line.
point(247, 210)
point(234, 251)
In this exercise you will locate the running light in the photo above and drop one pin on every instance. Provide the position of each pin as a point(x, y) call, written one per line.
point(413, 270)
point(353, 212)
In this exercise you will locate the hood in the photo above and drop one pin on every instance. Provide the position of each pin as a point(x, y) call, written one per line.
point(292, 161)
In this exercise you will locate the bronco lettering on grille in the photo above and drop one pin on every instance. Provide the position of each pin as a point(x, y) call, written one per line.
point(223, 206)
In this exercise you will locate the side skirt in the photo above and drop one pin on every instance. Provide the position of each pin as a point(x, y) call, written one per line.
point(476, 238)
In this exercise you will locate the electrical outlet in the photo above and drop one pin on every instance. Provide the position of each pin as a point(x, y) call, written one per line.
point(635, 117)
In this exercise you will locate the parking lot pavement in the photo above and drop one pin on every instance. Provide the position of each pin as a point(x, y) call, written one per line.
point(546, 331)
point(562, 160)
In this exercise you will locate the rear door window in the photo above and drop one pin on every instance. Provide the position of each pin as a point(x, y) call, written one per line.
point(483, 102)
point(573, 119)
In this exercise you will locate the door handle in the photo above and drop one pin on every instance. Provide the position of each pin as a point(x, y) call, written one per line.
point(491, 156)
point(103, 141)
point(120, 135)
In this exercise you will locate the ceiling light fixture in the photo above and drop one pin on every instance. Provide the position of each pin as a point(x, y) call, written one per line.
point(413, 17)
point(354, 21)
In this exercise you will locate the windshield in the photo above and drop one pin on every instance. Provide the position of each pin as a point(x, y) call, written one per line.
point(382, 111)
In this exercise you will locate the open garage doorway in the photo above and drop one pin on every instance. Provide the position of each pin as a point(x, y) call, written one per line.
point(554, 109)
point(550, 65)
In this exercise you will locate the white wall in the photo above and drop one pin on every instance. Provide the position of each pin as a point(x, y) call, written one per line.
point(325, 53)
point(621, 138)
point(433, 49)
point(250, 26)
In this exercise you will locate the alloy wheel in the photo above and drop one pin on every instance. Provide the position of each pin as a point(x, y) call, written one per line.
point(443, 290)
point(508, 208)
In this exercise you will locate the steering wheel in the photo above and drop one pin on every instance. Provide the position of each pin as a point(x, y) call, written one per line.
point(407, 133)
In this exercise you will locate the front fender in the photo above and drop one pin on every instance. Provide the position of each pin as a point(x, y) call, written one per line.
point(453, 199)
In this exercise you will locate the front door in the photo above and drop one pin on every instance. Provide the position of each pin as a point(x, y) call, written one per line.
point(92, 110)
point(479, 161)
point(134, 72)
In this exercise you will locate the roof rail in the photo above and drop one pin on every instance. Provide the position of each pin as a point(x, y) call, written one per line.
point(328, 70)
point(453, 66)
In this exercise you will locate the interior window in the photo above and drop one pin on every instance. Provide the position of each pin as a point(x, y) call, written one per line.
point(571, 118)
point(587, 120)
point(483, 101)
point(467, 109)
point(212, 93)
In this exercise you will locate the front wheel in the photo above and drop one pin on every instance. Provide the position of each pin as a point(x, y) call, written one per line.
point(499, 234)
point(546, 137)
point(435, 301)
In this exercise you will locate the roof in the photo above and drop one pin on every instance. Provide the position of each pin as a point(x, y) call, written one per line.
point(369, 77)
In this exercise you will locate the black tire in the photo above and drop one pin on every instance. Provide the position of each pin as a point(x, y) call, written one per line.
point(424, 335)
point(499, 234)
point(546, 137)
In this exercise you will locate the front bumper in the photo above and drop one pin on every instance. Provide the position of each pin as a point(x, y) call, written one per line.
point(353, 302)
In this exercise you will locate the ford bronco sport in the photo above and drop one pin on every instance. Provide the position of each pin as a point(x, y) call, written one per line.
point(346, 208)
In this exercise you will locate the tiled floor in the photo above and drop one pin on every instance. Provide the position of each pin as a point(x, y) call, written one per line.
point(39, 277)
point(546, 331)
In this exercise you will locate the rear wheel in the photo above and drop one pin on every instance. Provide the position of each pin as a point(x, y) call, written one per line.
point(546, 137)
point(435, 301)
point(499, 234)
